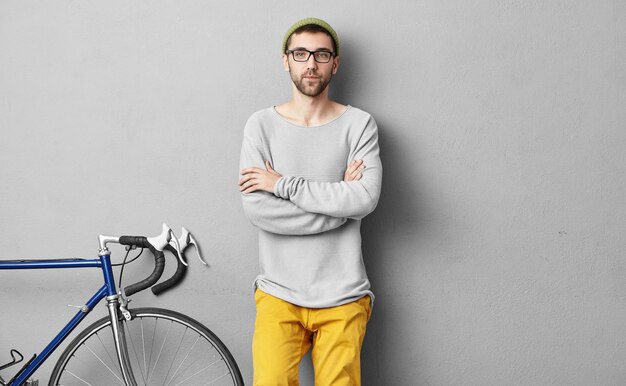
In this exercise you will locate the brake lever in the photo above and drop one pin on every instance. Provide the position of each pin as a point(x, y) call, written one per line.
point(167, 237)
point(159, 242)
point(192, 241)
point(187, 239)
point(179, 251)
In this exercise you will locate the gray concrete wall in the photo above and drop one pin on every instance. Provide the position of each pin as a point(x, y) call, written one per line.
point(497, 251)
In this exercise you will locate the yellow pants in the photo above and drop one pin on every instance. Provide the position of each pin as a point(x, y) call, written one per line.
point(284, 332)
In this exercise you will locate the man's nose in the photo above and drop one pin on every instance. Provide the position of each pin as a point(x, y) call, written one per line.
point(311, 63)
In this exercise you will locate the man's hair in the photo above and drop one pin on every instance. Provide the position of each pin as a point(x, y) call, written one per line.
point(313, 28)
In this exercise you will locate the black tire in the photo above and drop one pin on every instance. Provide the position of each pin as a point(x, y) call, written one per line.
point(165, 348)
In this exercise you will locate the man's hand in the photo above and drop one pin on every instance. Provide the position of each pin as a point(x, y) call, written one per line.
point(258, 179)
point(353, 173)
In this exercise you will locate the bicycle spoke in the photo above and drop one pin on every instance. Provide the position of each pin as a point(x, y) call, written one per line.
point(160, 351)
point(105, 365)
point(151, 346)
point(79, 378)
point(143, 345)
point(217, 379)
point(175, 355)
point(132, 343)
point(191, 365)
point(198, 372)
point(184, 360)
point(104, 347)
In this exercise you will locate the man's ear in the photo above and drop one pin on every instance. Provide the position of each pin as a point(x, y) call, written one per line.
point(335, 64)
point(286, 62)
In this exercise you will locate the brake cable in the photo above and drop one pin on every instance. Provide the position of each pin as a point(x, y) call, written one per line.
point(123, 264)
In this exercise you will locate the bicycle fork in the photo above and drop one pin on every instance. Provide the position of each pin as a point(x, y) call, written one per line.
point(119, 337)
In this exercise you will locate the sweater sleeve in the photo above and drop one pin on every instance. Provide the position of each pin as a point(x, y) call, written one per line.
point(354, 199)
point(273, 214)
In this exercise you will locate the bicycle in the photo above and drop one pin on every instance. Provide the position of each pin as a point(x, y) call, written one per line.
point(142, 346)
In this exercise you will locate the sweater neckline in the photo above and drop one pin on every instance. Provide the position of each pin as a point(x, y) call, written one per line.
point(277, 114)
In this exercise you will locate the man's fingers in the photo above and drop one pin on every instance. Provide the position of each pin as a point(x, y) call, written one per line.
point(354, 171)
point(357, 171)
point(248, 180)
point(247, 177)
point(355, 164)
point(250, 189)
point(249, 186)
point(244, 185)
point(352, 166)
point(258, 179)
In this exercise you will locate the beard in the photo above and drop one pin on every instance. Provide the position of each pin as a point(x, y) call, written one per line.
point(311, 88)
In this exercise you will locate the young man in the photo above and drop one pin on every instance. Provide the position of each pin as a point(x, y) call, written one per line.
point(310, 172)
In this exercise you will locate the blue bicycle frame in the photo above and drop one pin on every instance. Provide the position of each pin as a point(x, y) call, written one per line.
point(108, 290)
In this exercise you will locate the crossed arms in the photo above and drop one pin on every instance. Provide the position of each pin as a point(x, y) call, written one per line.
point(255, 179)
point(292, 205)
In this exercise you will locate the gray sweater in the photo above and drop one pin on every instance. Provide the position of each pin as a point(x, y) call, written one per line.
point(310, 228)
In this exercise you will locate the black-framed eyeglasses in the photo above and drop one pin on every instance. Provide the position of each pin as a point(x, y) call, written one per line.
point(302, 55)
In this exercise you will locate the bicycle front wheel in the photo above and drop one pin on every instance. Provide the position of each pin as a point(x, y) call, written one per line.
point(165, 348)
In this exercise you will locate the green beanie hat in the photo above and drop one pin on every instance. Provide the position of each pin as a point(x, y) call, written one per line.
point(315, 21)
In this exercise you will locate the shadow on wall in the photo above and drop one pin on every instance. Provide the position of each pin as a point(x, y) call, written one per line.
point(394, 219)
point(395, 222)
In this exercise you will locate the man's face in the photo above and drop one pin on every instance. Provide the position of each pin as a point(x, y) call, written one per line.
point(311, 78)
